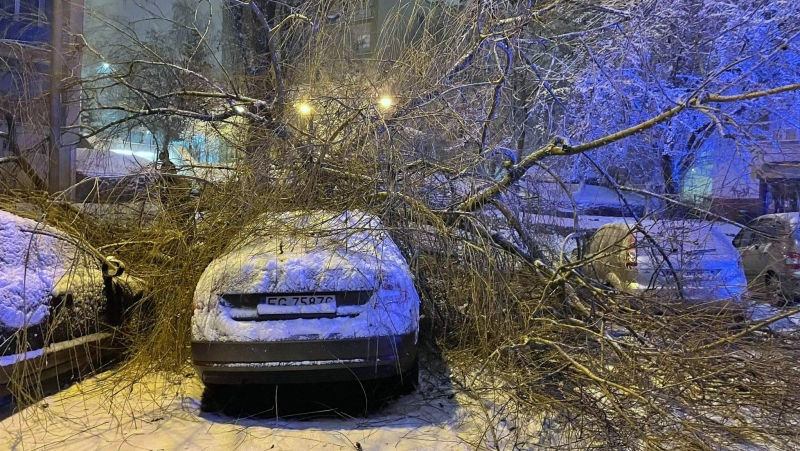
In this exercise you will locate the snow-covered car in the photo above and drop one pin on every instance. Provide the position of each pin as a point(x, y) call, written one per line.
point(56, 298)
point(700, 260)
point(593, 200)
point(771, 258)
point(307, 297)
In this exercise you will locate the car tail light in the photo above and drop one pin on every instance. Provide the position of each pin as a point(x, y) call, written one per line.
point(793, 260)
point(631, 260)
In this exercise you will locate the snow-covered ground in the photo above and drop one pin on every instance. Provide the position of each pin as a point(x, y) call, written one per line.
point(163, 413)
point(761, 311)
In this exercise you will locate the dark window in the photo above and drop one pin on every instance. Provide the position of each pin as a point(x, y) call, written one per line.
point(771, 230)
point(27, 9)
point(743, 239)
point(7, 6)
point(25, 20)
point(19, 80)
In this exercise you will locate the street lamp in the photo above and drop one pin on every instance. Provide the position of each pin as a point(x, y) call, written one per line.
point(307, 115)
point(304, 108)
point(385, 102)
point(104, 68)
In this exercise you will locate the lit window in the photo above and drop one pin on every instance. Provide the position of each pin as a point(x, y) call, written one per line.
point(363, 13)
point(362, 37)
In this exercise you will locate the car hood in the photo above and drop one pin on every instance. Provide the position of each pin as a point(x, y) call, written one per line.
point(302, 252)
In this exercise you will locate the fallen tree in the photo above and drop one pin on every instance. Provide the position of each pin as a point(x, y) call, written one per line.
point(488, 79)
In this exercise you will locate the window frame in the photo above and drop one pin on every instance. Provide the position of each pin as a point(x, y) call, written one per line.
point(41, 10)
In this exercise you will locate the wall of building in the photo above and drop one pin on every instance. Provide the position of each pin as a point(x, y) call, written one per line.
point(25, 33)
point(728, 176)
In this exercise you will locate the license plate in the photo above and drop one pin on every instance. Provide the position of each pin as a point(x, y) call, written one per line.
point(281, 304)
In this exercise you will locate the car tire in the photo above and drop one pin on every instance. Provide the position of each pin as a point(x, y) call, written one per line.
point(409, 380)
point(215, 397)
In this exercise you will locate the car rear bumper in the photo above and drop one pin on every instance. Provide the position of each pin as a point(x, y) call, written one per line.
point(299, 361)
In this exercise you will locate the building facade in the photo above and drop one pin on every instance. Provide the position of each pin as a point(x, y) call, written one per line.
point(26, 60)
point(745, 178)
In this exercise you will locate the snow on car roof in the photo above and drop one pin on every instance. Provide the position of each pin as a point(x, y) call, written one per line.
point(593, 194)
point(33, 259)
point(110, 163)
point(305, 252)
point(791, 217)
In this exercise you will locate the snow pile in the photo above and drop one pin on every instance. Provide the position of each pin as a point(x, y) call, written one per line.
point(37, 262)
point(112, 163)
point(310, 253)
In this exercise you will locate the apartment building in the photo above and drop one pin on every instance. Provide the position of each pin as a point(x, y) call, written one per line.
point(757, 173)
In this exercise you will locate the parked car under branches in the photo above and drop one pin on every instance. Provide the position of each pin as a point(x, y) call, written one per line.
point(60, 303)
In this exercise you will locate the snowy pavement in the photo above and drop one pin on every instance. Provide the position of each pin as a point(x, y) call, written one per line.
point(163, 413)
point(761, 311)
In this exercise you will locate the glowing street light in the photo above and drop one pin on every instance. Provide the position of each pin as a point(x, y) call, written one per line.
point(385, 102)
point(304, 108)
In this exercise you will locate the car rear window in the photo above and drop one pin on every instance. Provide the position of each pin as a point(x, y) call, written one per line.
point(690, 241)
point(770, 227)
